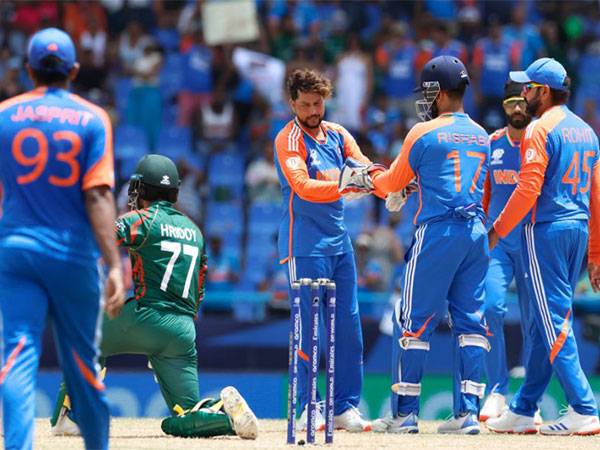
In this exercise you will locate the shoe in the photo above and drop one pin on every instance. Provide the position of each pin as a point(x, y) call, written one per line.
point(400, 424)
point(465, 424)
point(350, 420)
point(244, 421)
point(572, 423)
point(537, 418)
point(319, 419)
point(65, 426)
point(493, 407)
point(512, 423)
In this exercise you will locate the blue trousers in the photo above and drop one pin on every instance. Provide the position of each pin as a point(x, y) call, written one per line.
point(348, 332)
point(505, 264)
point(553, 254)
point(35, 287)
point(447, 260)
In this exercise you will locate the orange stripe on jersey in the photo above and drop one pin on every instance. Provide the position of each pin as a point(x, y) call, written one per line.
point(25, 97)
point(594, 226)
point(88, 374)
point(400, 173)
point(102, 173)
point(487, 193)
point(534, 161)
point(10, 361)
point(560, 340)
point(497, 134)
point(291, 154)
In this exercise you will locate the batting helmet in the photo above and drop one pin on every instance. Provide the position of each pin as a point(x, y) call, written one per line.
point(155, 178)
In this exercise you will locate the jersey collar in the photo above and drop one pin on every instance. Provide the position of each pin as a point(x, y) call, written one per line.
point(297, 122)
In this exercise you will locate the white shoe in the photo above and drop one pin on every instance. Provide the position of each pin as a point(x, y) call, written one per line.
point(400, 424)
point(466, 424)
point(64, 425)
point(244, 421)
point(512, 423)
point(572, 423)
point(493, 407)
point(350, 420)
point(319, 419)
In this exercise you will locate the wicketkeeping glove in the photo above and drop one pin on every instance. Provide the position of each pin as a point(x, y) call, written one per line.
point(396, 200)
point(355, 177)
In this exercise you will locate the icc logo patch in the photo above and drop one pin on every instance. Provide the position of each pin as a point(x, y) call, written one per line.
point(529, 154)
point(497, 155)
point(292, 163)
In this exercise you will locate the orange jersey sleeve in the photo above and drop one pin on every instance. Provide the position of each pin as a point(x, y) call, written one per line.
point(291, 155)
point(594, 239)
point(400, 172)
point(534, 159)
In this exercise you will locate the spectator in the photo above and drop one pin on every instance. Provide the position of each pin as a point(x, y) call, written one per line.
point(197, 73)
point(144, 108)
point(590, 114)
point(217, 121)
point(386, 251)
point(223, 267)
point(79, 17)
point(397, 58)
point(444, 44)
point(188, 200)
point(525, 35)
point(10, 84)
point(94, 39)
point(353, 85)
point(261, 177)
point(90, 76)
point(369, 271)
point(132, 43)
point(494, 56)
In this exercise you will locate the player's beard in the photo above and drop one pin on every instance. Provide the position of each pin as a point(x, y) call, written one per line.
point(534, 105)
point(311, 122)
point(519, 120)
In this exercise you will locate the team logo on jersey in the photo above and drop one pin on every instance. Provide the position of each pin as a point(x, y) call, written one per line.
point(314, 158)
point(497, 155)
point(529, 154)
point(292, 163)
point(166, 180)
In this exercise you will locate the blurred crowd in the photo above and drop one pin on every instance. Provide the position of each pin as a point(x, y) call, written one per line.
point(216, 109)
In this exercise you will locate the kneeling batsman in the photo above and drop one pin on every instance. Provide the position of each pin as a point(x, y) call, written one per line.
point(356, 180)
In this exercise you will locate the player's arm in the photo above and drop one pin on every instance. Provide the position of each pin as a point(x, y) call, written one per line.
point(293, 166)
point(352, 150)
point(400, 173)
point(594, 230)
point(98, 180)
point(487, 193)
point(534, 159)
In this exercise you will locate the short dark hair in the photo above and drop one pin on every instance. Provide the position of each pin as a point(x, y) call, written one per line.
point(48, 74)
point(560, 96)
point(458, 93)
point(307, 80)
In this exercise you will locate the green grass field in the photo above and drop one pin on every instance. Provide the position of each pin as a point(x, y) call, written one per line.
point(146, 434)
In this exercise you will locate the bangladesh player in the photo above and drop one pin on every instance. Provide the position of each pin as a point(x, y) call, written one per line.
point(169, 262)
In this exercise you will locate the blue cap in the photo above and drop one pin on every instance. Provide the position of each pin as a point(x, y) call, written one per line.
point(543, 71)
point(447, 70)
point(51, 42)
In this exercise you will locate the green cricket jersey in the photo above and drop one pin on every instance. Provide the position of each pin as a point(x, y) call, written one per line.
point(167, 256)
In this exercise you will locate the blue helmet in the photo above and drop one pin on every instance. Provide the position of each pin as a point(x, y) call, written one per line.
point(440, 73)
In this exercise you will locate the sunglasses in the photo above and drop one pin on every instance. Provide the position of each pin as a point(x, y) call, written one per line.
point(532, 85)
point(512, 103)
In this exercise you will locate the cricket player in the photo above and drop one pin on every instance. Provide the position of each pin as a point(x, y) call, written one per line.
point(448, 259)
point(558, 192)
point(313, 239)
point(56, 169)
point(505, 262)
point(169, 262)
